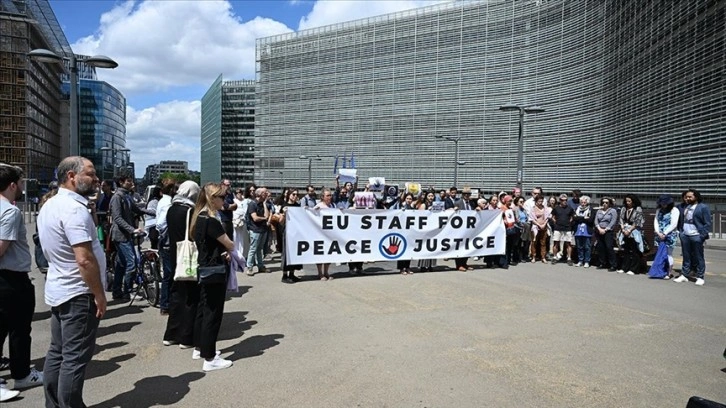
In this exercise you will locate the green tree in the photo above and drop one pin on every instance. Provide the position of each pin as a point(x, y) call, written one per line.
point(180, 177)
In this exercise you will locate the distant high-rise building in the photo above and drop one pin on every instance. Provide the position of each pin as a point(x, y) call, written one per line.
point(31, 107)
point(228, 132)
point(634, 92)
point(102, 111)
point(155, 171)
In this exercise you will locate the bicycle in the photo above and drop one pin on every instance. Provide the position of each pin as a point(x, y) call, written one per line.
point(146, 277)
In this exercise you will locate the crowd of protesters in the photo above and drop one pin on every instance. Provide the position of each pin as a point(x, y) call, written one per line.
point(229, 226)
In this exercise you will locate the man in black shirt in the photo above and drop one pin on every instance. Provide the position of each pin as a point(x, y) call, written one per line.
point(562, 215)
point(225, 214)
point(258, 215)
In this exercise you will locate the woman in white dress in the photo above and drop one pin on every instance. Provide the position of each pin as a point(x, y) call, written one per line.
point(239, 217)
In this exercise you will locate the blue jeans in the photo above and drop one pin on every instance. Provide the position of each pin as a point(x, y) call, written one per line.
point(584, 248)
point(166, 277)
point(73, 328)
point(122, 271)
point(256, 256)
point(693, 256)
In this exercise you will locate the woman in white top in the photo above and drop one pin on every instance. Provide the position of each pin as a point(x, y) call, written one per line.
point(666, 228)
point(325, 203)
point(239, 222)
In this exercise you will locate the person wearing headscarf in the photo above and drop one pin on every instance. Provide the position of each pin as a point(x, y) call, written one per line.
point(665, 227)
point(184, 295)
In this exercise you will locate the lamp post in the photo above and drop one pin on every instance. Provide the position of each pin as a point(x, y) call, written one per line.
point(310, 166)
point(113, 151)
point(98, 61)
point(510, 107)
point(457, 162)
point(282, 181)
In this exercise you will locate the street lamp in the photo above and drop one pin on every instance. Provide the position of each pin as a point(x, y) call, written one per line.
point(282, 181)
point(510, 107)
point(310, 166)
point(98, 61)
point(457, 162)
point(113, 151)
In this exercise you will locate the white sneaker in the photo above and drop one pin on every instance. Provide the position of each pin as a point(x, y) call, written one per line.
point(34, 378)
point(630, 273)
point(197, 354)
point(621, 271)
point(185, 346)
point(578, 264)
point(587, 264)
point(217, 364)
point(700, 282)
point(7, 394)
point(681, 279)
point(168, 342)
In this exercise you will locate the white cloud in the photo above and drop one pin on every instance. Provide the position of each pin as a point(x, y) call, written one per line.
point(161, 45)
point(167, 131)
point(332, 12)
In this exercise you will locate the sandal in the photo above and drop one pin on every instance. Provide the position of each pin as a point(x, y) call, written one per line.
point(410, 272)
point(328, 277)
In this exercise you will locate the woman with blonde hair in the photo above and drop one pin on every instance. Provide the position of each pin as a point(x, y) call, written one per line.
point(213, 244)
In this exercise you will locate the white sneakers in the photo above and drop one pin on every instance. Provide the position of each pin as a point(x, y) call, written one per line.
point(630, 273)
point(681, 279)
point(196, 354)
point(621, 271)
point(587, 264)
point(5, 393)
point(217, 364)
point(578, 264)
point(34, 378)
point(700, 282)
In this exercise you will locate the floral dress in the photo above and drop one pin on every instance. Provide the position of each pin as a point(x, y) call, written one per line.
point(664, 221)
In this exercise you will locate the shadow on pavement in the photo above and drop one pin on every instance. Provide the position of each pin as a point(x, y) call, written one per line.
point(154, 391)
point(45, 315)
point(99, 368)
point(234, 325)
point(116, 328)
point(241, 291)
point(122, 311)
point(252, 346)
point(103, 347)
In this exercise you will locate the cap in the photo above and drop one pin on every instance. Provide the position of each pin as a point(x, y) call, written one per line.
point(664, 199)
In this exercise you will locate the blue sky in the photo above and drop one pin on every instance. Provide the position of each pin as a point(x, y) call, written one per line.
point(170, 51)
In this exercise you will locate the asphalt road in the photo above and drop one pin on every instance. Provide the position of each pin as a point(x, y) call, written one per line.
point(532, 336)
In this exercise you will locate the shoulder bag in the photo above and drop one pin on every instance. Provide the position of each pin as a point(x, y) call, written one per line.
point(186, 257)
point(213, 274)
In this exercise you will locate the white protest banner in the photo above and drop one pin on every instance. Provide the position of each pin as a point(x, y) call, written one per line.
point(347, 175)
point(332, 235)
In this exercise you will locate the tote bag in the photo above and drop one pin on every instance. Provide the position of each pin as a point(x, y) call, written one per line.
point(186, 257)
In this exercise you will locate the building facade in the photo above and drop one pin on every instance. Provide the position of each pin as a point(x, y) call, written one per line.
point(634, 94)
point(155, 171)
point(228, 132)
point(31, 105)
point(102, 126)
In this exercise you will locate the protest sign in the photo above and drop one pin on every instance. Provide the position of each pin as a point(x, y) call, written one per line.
point(347, 175)
point(376, 183)
point(332, 235)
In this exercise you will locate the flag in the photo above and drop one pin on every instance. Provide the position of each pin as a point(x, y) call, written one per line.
point(344, 160)
point(335, 166)
point(352, 160)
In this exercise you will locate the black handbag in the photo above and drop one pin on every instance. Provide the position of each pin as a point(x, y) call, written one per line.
point(214, 274)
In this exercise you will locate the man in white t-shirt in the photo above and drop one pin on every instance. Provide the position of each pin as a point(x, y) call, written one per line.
point(75, 284)
point(17, 293)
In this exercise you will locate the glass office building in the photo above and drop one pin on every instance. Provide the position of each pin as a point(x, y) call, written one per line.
point(102, 110)
point(228, 132)
point(634, 94)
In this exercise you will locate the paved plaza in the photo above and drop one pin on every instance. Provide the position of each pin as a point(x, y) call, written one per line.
point(532, 336)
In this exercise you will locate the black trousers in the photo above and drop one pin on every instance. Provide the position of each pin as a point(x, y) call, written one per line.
point(605, 250)
point(631, 256)
point(183, 305)
point(512, 246)
point(460, 262)
point(403, 264)
point(209, 318)
point(17, 305)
